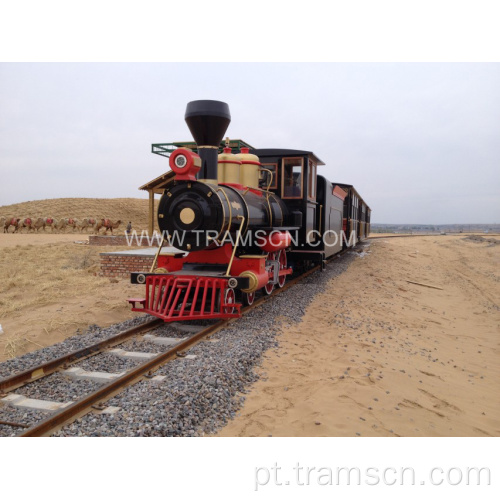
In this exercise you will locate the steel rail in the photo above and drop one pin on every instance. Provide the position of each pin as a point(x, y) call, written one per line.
point(81, 407)
point(84, 405)
point(45, 369)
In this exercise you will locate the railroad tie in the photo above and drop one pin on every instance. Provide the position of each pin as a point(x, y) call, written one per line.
point(80, 374)
point(132, 354)
point(168, 341)
point(186, 327)
point(19, 401)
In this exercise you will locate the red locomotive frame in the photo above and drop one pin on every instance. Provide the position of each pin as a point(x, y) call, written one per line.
point(183, 296)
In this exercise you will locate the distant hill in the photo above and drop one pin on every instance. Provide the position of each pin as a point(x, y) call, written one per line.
point(125, 209)
point(431, 228)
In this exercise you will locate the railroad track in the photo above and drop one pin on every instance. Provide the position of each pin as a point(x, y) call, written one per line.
point(96, 399)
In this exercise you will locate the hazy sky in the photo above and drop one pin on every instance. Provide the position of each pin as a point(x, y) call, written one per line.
point(420, 142)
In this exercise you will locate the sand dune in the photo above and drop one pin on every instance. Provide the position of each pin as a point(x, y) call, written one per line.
point(378, 356)
point(125, 209)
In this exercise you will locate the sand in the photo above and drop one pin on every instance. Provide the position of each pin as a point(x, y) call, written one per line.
point(51, 288)
point(378, 356)
point(12, 240)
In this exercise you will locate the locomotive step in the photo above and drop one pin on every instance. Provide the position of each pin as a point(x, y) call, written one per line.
point(133, 301)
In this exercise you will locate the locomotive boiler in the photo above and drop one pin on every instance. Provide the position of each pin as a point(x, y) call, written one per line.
point(239, 221)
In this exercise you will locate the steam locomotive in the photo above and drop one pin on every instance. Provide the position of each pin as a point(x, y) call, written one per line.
point(241, 222)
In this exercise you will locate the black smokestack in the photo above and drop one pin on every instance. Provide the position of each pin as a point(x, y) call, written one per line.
point(208, 122)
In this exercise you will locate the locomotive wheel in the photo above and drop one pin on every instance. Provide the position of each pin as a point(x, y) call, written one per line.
point(282, 261)
point(229, 298)
point(268, 289)
point(248, 298)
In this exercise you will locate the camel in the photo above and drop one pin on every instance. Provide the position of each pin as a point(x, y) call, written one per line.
point(13, 221)
point(50, 222)
point(73, 223)
point(28, 222)
point(3, 220)
point(86, 223)
point(60, 224)
point(107, 224)
point(39, 223)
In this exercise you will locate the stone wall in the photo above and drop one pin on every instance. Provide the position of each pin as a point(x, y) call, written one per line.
point(121, 265)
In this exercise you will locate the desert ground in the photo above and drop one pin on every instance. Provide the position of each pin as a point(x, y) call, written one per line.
point(51, 288)
point(376, 355)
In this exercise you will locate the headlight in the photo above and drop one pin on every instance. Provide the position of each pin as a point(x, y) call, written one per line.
point(180, 161)
point(185, 164)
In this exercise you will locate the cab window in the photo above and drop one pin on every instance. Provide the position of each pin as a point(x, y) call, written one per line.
point(292, 178)
point(273, 167)
point(311, 193)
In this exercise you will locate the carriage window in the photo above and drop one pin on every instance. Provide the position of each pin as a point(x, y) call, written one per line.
point(273, 167)
point(311, 194)
point(291, 181)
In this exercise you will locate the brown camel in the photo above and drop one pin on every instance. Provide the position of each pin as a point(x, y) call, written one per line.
point(108, 225)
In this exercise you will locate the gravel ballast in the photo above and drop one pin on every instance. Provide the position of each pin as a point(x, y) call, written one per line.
point(90, 336)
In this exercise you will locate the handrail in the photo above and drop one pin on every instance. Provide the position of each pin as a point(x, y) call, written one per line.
point(320, 219)
point(230, 215)
point(236, 244)
point(267, 196)
point(157, 254)
point(271, 179)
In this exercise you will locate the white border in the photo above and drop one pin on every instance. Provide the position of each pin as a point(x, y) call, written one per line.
point(226, 468)
point(261, 30)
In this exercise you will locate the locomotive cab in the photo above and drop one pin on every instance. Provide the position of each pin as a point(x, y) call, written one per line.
point(295, 181)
